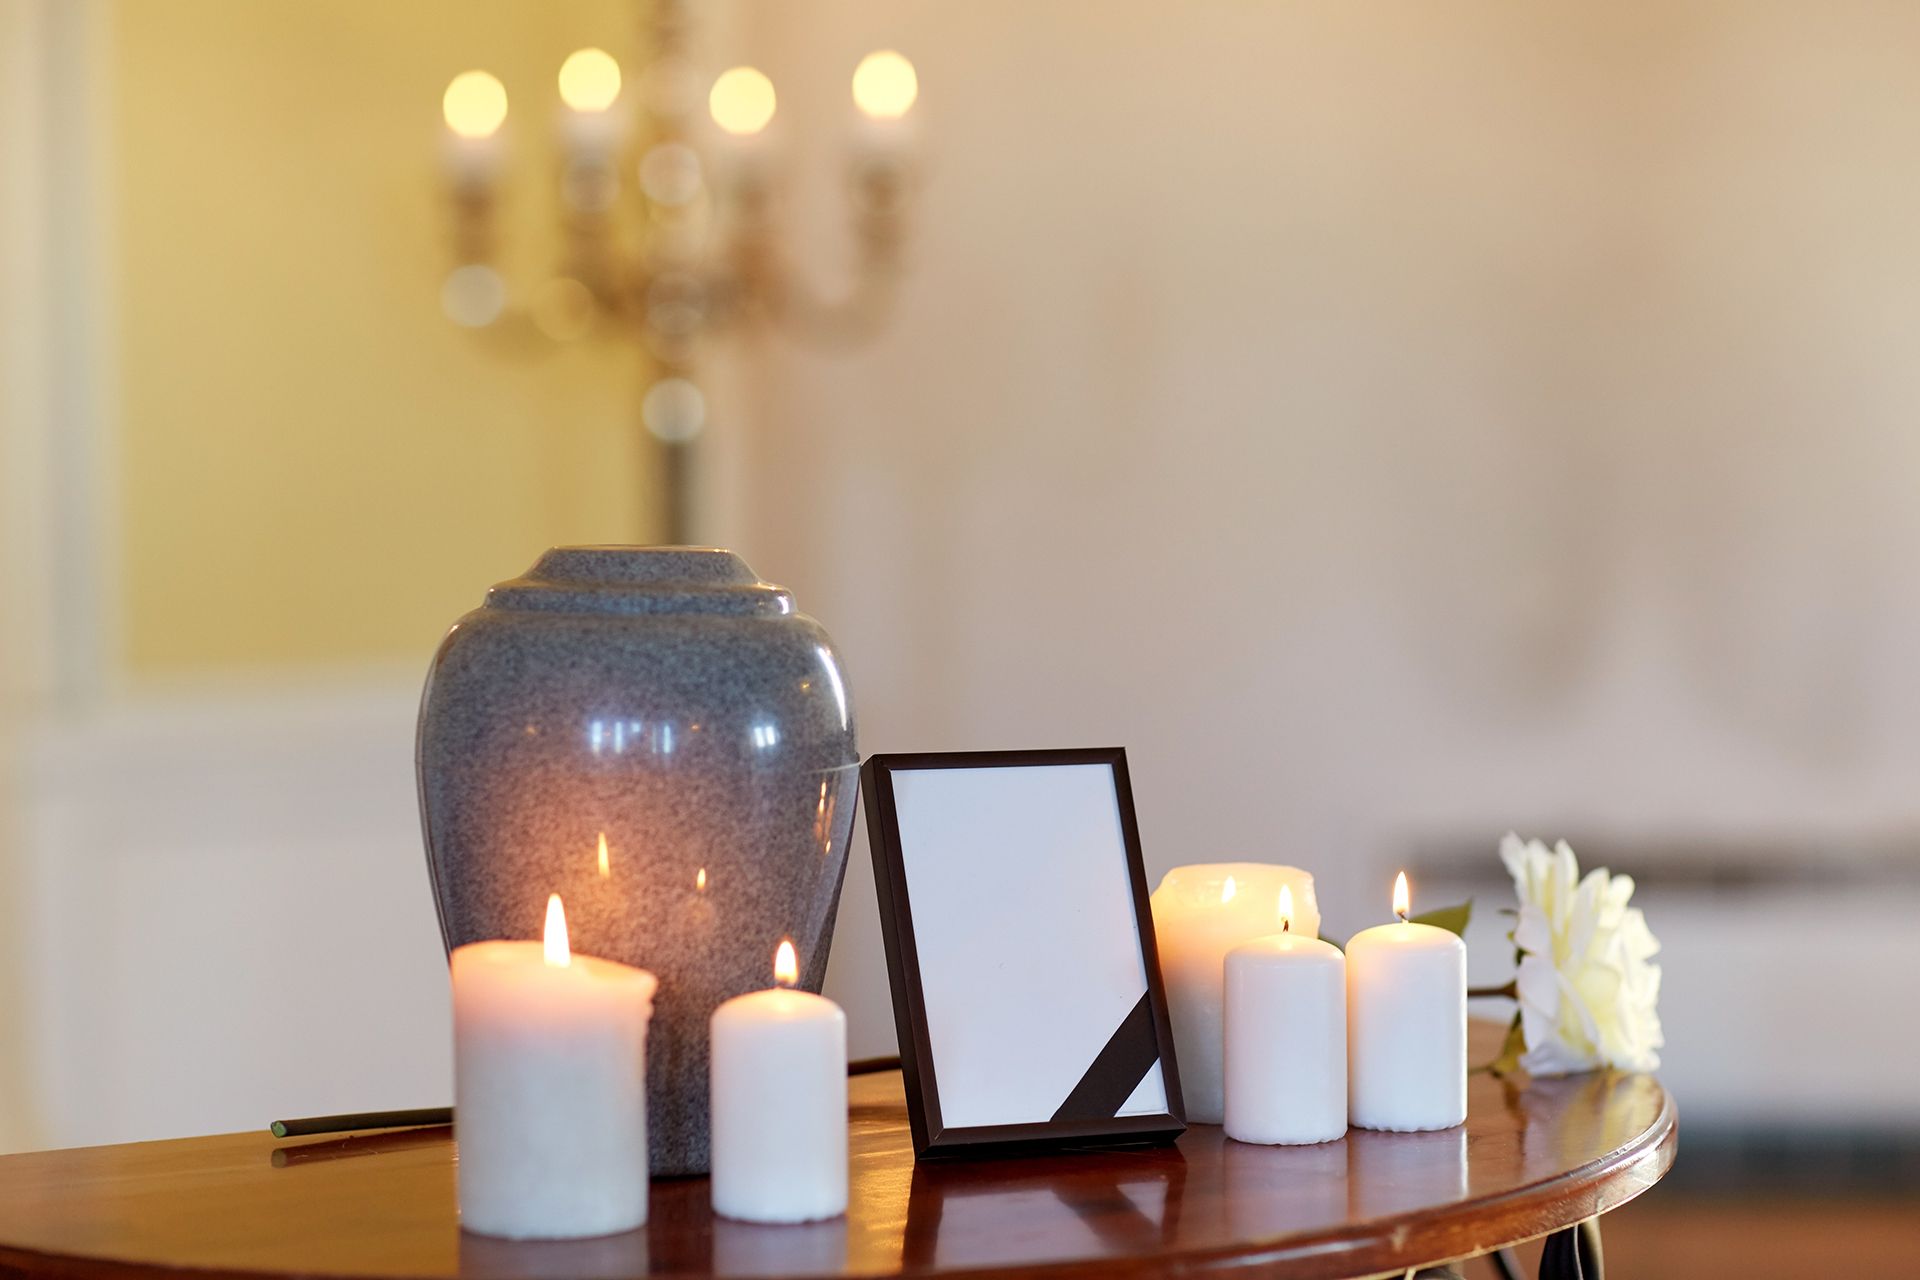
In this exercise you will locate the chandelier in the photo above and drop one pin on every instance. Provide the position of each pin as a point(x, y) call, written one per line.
point(666, 182)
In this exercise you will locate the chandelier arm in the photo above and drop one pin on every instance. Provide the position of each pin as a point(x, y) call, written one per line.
point(704, 255)
point(879, 192)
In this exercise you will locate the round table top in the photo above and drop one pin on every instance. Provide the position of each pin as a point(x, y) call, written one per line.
point(1533, 1156)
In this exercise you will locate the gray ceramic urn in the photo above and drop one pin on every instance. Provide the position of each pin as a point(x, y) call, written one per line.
point(669, 701)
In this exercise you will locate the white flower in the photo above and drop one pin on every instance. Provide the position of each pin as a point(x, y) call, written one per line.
point(1588, 989)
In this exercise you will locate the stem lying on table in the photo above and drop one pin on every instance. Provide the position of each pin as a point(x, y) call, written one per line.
point(1510, 992)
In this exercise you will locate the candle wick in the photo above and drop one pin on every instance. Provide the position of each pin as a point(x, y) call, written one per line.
point(1286, 926)
point(1402, 915)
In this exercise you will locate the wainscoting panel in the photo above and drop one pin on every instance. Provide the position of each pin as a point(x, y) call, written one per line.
point(227, 914)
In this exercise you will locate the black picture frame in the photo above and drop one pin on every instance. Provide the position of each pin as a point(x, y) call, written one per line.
point(1087, 1116)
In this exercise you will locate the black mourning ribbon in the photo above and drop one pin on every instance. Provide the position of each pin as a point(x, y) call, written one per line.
point(1118, 1069)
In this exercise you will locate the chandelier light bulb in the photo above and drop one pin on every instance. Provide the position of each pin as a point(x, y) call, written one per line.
point(475, 104)
point(473, 295)
point(589, 80)
point(742, 101)
point(884, 85)
point(674, 410)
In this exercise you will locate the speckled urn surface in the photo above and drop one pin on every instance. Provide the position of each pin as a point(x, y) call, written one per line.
point(670, 701)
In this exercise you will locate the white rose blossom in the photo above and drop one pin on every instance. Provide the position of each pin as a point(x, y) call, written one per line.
point(1588, 989)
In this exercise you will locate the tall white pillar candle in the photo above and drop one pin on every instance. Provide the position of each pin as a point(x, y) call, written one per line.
point(1406, 1025)
point(1199, 914)
point(550, 1088)
point(1286, 1039)
point(779, 1077)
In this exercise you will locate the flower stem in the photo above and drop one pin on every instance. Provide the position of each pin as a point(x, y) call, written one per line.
point(1510, 992)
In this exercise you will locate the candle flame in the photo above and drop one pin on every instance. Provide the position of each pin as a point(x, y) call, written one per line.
point(559, 955)
point(700, 880)
point(589, 80)
point(742, 101)
point(884, 85)
point(786, 964)
point(606, 868)
point(474, 105)
point(1402, 899)
point(1228, 889)
point(1286, 908)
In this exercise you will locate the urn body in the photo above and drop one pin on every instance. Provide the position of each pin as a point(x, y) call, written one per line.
point(660, 738)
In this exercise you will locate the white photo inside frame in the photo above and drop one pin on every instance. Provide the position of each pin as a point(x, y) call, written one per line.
point(1027, 933)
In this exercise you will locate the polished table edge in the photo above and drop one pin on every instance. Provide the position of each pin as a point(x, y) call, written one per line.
point(1402, 1242)
point(1396, 1243)
point(1522, 1213)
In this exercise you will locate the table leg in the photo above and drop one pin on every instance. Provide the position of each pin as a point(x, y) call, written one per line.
point(1590, 1237)
point(1573, 1253)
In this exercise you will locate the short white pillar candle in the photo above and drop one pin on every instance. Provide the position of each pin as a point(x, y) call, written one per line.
point(1286, 1039)
point(779, 1087)
point(1199, 914)
point(1406, 1025)
point(550, 1088)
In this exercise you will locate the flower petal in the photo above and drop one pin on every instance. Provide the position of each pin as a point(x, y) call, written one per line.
point(1532, 933)
point(1513, 856)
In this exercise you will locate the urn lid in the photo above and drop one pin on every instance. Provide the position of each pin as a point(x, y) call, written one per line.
point(630, 580)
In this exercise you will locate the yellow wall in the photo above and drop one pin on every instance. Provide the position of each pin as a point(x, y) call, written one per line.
point(314, 466)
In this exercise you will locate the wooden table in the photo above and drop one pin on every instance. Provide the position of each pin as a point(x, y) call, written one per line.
point(1533, 1158)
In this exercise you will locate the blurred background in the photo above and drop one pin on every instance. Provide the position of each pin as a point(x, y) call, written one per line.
point(1393, 423)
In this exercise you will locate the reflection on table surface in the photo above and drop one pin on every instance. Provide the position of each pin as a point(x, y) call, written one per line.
point(1203, 1194)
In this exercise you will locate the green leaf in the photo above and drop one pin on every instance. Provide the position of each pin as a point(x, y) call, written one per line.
point(1452, 919)
point(1510, 1050)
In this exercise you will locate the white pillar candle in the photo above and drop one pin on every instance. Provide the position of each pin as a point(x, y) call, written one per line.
point(779, 1077)
point(1286, 1039)
point(1407, 1025)
point(590, 136)
point(1199, 914)
point(550, 1088)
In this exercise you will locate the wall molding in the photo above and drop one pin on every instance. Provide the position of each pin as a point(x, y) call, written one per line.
point(56, 354)
point(55, 404)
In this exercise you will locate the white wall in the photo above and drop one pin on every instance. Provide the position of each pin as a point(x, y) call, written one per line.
point(1392, 422)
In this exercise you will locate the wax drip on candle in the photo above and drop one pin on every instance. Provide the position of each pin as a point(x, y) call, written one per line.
point(1286, 908)
point(1402, 899)
point(558, 953)
point(786, 964)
